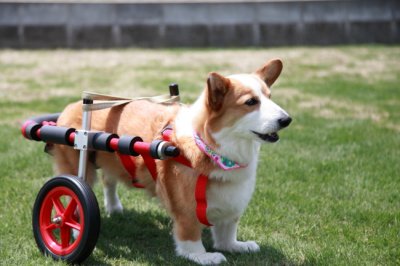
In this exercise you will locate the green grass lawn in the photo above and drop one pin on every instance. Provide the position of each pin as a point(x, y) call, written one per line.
point(327, 194)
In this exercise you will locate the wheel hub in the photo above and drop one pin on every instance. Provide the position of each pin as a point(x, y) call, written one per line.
point(57, 220)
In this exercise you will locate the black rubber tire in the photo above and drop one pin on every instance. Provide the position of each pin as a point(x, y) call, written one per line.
point(90, 211)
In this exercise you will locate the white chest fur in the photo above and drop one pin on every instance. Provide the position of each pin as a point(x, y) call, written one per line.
point(229, 193)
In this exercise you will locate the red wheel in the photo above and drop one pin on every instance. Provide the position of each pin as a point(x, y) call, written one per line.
point(66, 219)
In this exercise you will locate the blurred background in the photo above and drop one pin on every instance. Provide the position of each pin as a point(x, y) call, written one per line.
point(197, 23)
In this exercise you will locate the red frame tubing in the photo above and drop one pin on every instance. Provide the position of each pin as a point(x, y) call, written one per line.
point(51, 208)
point(143, 148)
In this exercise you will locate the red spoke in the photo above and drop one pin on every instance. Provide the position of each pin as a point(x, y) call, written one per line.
point(70, 208)
point(65, 236)
point(58, 205)
point(73, 225)
point(50, 227)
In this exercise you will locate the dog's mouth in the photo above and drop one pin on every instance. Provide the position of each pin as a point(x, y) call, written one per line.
point(269, 137)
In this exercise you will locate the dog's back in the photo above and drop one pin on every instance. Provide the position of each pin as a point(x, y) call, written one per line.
point(138, 118)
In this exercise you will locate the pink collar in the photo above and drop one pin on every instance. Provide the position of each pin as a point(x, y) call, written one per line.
point(223, 162)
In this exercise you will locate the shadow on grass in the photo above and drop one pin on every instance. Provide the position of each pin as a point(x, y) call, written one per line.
point(135, 237)
point(145, 237)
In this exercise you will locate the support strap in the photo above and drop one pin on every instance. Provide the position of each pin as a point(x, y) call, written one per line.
point(201, 184)
point(151, 166)
point(103, 101)
point(201, 199)
point(129, 164)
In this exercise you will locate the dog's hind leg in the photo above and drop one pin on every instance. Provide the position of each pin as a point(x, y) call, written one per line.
point(111, 199)
point(66, 161)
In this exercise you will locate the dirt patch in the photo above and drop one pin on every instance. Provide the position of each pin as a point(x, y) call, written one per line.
point(330, 108)
point(395, 127)
point(326, 107)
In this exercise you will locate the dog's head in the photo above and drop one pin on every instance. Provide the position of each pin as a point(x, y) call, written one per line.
point(242, 104)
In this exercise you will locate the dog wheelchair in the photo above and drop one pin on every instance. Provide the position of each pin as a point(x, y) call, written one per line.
point(66, 216)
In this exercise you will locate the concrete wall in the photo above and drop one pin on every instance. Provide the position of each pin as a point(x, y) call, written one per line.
point(199, 24)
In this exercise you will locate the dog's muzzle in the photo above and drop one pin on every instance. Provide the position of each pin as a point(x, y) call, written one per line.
point(274, 137)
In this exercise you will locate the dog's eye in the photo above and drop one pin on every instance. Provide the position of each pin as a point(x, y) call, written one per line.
point(251, 101)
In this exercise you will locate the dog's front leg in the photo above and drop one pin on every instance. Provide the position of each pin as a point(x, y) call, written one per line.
point(224, 236)
point(187, 235)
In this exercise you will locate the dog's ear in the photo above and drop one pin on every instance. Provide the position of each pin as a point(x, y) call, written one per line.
point(217, 87)
point(270, 71)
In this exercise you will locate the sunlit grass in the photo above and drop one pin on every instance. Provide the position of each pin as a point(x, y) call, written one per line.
point(327, 193)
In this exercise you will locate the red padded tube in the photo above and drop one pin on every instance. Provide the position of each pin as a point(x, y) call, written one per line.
point(143, 148)
point(71, 137)
point(114, 144)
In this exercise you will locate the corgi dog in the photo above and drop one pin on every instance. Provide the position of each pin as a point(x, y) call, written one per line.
point(220, 135)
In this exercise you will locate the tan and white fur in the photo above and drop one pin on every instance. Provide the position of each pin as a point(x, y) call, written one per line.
point(234, 115)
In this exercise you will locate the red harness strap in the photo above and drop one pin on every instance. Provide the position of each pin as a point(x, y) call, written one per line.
point(151, 166)
point(201, 185)
point(129, 164)
point(201, 199)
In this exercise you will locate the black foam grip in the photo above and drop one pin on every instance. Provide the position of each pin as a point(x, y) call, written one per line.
point(31, 130)
point(47, 117)
point(172, 151)
point(57, 135)
point(101, 141)
point(153, 148)
point(125, 145)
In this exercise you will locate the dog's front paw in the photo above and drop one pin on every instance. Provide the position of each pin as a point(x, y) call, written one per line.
point(75, 233)
point(239, 246)
point(208, 258)
point(113, 208)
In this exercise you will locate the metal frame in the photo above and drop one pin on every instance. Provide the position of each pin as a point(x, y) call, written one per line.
point(81, 141)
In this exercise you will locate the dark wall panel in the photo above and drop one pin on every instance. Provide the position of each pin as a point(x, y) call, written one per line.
point(93, 37)
point(9, 37)
point(44, 36)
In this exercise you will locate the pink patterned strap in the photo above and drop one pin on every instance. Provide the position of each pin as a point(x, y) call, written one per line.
point(223, 162)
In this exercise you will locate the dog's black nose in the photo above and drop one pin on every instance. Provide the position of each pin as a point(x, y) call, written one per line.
point(284, 122)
